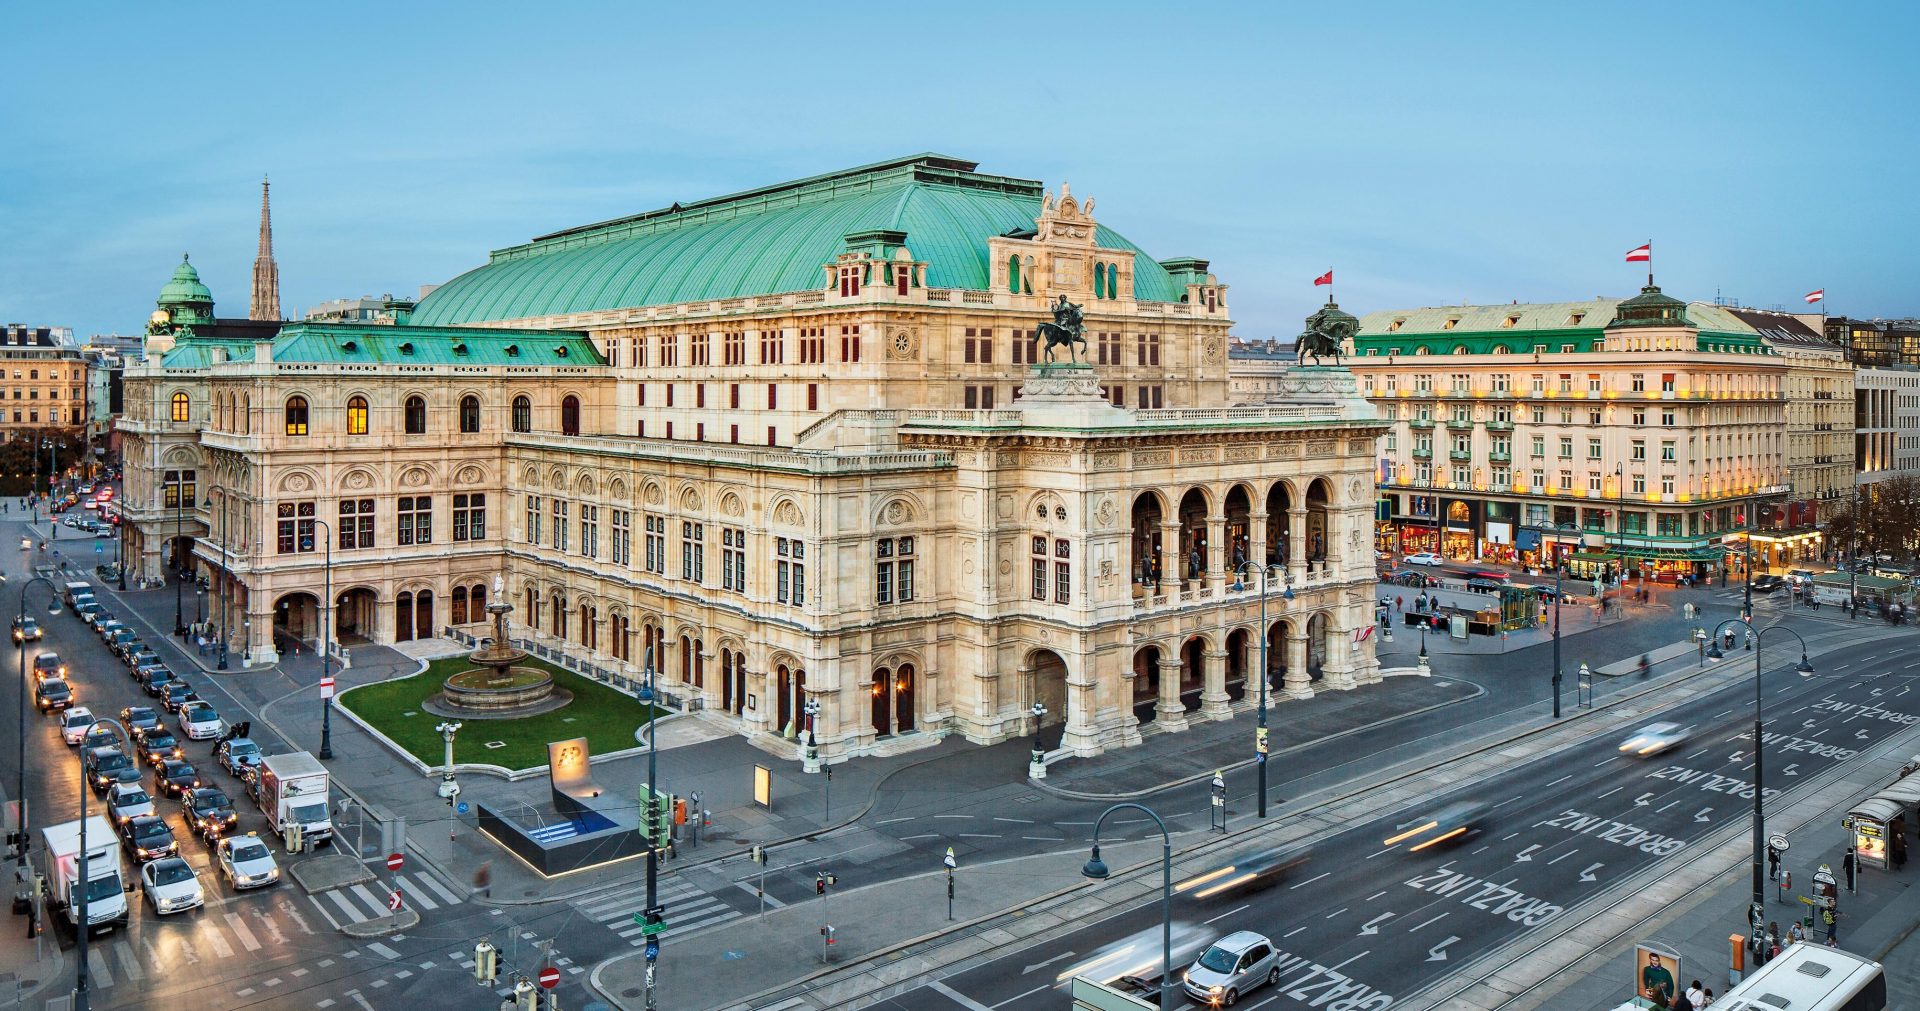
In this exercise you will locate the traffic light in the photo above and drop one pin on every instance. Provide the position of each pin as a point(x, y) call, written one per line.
point(650, 815)
point(486, 963)
point(758, 855)
point(526, 996)
point(819, 884)
point(663, 817)
point(679, 810)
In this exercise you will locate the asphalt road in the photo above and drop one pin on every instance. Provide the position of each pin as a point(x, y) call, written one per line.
point(1362, 924)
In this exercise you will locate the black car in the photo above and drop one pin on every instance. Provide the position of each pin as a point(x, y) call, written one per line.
point(238, 755)
point(177, 777)
point(147, 837)
point(178, 694)
point(156, 685)
point(52, 694)
point(130, 648)
point(209, 812)
point(158, 746)
point(104, 766)
point(138, 720)
point(144, 671)
point(142, 657)
point(1768, 583)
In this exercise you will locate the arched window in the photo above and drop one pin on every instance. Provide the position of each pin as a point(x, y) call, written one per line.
point(356, 415)
point(477, 603)
point(1099, 280)
point(179, 407)
point(1013, 273)
point(1113, 280)
point(416, 415)
point(522, 414)
point(458, 613)
point(469, 414)
point(296, 415)
point(570, 415)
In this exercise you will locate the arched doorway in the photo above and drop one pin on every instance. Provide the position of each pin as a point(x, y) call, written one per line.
point(1319, 496)
point(1147, 563)
point(1049, 688)
point(1318, 629)
point(790, 683)
point(1146, 681)
point(1279, 504)
point(882, 701)
point(1193, 535)
point(1239, 643)
point(354, 616)
point(693, 668)
point(296, 619)
point(1277, 635)
point(403, 616)
point(1239, 513)
point(1193, 658)
point(903, 685)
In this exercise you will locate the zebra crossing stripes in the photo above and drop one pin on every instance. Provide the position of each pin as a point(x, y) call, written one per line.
point(689, 908)
point(420, 889)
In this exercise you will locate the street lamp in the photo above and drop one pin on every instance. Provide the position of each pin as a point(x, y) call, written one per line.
point(326, 646)
point(1037, 764)
point(449, 788)
point(647, 696)
point(224, 595)
point(22, 876)
point(1424, 666)
point(811, 754)
point(1758, 911)
point(1556, 640)
point(1096, 869)
point(82, 1000)
point(179, 490)
point(1583, 688)
point(1260, 730)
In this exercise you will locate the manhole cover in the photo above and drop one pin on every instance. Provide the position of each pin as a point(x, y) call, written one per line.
point(496, 745)
point(632, 991)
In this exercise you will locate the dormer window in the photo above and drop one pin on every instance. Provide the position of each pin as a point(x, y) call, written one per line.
point(406, 347)
point(1512, 321)
point(1575, 318)
point(560, 351)
point(1451, 322)
point(1396, 325)
point(513, 351)
point(349, 346)
point(460, 349)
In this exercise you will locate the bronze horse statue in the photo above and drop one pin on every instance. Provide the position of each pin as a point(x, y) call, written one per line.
point(1327, 333)
point(1066, 330)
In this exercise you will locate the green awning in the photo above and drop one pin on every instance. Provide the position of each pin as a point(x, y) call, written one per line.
point(1594, 556)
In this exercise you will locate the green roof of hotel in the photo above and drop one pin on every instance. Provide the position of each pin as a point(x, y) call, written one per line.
point(348, 343)
point(1480, 326)
point(765, 241)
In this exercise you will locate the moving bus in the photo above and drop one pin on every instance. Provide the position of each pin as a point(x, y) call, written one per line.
point(1810, 977)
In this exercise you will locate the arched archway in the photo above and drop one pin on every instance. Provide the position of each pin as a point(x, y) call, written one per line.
point(1239, 662)
point(1049, 688)
point(296, 619)
point(790, 683)
point(1239, 513)
point(1146, 681)
point(354, 616)
point(882, 701)
point(1278, 635)
point(1319, 498)
point(1279, 506)
point(1147, 562)
point(903, 698)
point(1319, 629)
point(423, 615)
point(403, 616)
point(1193, 535)
point(1193, 661)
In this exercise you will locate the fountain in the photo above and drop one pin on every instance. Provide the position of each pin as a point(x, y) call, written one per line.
point(495, 688)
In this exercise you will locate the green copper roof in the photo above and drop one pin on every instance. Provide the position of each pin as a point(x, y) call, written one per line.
point(372, 343)
point(185, 287)
point(1518, 327)
point(764, 241)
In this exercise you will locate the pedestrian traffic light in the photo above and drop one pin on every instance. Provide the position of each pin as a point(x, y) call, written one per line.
point(819, 884)
point(486, 963)
point(759, 855)
point(526, 996)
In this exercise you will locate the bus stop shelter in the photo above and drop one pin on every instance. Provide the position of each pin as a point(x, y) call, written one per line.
point(1877, 826)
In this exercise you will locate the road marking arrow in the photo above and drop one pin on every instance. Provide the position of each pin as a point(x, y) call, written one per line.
point(1702, 814)
point(1643, 800)
point(1373, 926)
point(1526, 855)
point(1860, 735)
point(1809, 725)
point(1587, 875)
point(1048, 962)
point(1438, 953)
point(1788, 771)
point(1736, 756)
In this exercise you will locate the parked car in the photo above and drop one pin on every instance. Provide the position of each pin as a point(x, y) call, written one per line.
point(246, 862)
point(1232, 966)
point(156, 685)
point(177, 776)
point(140, 657)
point(171, 886)
point(177, 695)
point(101, 619)
point(146, 670)
point(26, 630)
point(75, 723)
point(1424, 558)
point(128, 800)
point(200, 722)
point(147, 837)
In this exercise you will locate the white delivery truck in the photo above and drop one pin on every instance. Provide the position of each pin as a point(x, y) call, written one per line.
point(292, 790)
point(105, 888)
point(78, 588)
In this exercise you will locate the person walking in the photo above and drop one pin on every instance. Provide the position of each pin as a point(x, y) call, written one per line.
point(1694, 994)
point(483, 879)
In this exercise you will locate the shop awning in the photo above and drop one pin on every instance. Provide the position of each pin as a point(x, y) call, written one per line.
point(1903, 791)
point(1674, 554)
point(1594, 556)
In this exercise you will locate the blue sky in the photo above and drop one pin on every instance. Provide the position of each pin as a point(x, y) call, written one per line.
point(1429, 153)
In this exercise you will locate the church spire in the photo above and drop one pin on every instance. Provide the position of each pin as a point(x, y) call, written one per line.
point(266, 273)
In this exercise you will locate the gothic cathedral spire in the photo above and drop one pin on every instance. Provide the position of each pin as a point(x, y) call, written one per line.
point(266, 273)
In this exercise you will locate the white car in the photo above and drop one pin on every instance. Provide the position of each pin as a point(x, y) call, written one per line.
point(128, 800)
point(246, 862)
point(171, 886)
point(1655, 738)
point(1424, 558)
point(74, 724)
point(199, 722)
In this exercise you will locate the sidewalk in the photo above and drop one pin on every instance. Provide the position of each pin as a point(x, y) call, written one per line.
point(27, 969)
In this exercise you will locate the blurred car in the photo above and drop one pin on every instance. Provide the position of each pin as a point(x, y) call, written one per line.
point(1448, 825)
point(1655, 738)
point(1411, 577)
point(1247, 872)
point(147, 837)
point(129, 646)
point(209, 813)
point(75, 723)
point(158, 746)
point(238, 755)
point(1230, 967)
point(177, 695)
point(141, 657)
point(99, 620)
point(128, 800)
point(51, 694)
point(246, 862)
point(200, 721)
point(141, 672)
point(171, 886)
point(1767, 583)
point(139, 719)
point(26, 630)
point(177, 776)
point(1424, 558)
point(1799, 578)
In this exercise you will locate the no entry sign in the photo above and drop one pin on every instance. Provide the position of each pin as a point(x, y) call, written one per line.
point(395, 861)
point(549, 977)
point(326, 688)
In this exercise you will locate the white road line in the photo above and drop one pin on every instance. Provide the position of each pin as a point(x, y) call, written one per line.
point(354, 913)
point(365, 894)
point(1228, 913)
point(1609, 793)
point(1292, 932)
point(940, 816)
point(1669, 804)
point(1016, 821)
point(1557, 782)
point(1336, 912)
point(1029, 993)
point(100, 976)
point(1562, 856)
point(1697, 754)
point(1352, 960)
point(443, 891)
point(1482, 849)
point(242, 931)
point(889, 821)
point(1509, 800)
point(1311, 880)
point(1043, 838)
point(957, 997)
point(979, 835)
point(1747, 766)
point(910, 838)
point(1370, 898)
point(129, 962)
point(1378, 853)
point(1718, 715)
point(415, 895)
point(1509, 835)
point(221, 949)
point(752, 890)
point(1615, 758)
point(383, 951)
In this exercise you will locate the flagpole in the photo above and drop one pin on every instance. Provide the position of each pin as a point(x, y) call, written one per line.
point(1649, 263)
point(1329, 285)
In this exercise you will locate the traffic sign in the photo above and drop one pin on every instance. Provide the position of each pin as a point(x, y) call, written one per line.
point(461, 807)
point(949, 860)
point(653, 950)
point(394, 901)
point(1777, 841)
point(326, 688)
point(395, 861)
point(549, 978)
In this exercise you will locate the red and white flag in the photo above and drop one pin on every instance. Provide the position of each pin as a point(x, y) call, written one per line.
point(1640, 255)
point(1326, 278)
point(1817, 295)
point(1363, 633)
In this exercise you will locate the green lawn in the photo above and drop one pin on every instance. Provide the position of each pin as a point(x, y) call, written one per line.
point(606, 718)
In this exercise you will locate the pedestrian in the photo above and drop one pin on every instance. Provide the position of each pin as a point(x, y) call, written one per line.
point(1694, 994)
point(1681, 1002)
point(1796, 932)
point(1832, 942)
point(1847, 864)
point(483, 879)
point(1706, 999)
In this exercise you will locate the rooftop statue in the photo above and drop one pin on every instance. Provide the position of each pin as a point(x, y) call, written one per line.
point(1066, 329)
point(1328, 331)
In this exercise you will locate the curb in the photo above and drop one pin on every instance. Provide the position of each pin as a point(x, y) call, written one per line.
point(358, 873)
point(381, 926)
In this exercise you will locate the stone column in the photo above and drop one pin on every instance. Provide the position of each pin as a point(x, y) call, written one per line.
point(1257, 539)
point(1168, 713)
point(1337, 672)
point(1173, 555)
point(1082, 736)
point(1217, 552)
point(260, 644)
point(1214, 701)
point(1297, 684)
point(1297, 545)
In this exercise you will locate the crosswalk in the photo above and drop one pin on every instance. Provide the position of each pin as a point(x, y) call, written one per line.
point(132, 955)
point(689, 908)
point(421, 890)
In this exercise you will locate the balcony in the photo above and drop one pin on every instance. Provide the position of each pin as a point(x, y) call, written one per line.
point(1460, 455)
point(1499, 425)
point(1422, 454)
point(1499, 457)
point(1460, 424)
point(1420, 423)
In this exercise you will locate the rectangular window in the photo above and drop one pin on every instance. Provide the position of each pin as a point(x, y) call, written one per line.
point(1147, 349)
point(1666, 484)
point(1666, 419)
point(1062, 572)
point(295, 527)
point(773, 347)
point(1639, 417)
point(670, 350)
point(693, 552)
point(1666, 451)
point(1039, 589)
point(1566, 448)
point(1593, 449)
point(733, 560)
point(971, 354)
point(813, 396)
point(656, 558)
point(416, 519)
point(1593, 383)
point(1639, 449)
point(790, 579)
point(697, 346)
point(1593, 481)
point(733, 396)
point(534, 510)
point(1639, 383)
point(733, 349)
point(622, 536)
point(470, 516)
point(561, 524)
point(589, 530)
point(1639, 484)
point(773, 396)
point(700, 395)
point(1666, 383)
point(356, 523)
point(850, 343)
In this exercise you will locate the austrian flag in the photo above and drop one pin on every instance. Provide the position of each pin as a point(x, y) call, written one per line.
point(1642, 255)
point(1326, 278)
point(1819, 295)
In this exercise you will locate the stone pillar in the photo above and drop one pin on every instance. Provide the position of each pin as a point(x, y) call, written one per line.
point(1257, 539)
point(1173, 555)
point(1082, 736)
point(1214, 702)
point(260, 644)
point(1168, 713)
point(1297, 684)
point(1337, 672)
point(1217, 552)
point(1297, 545)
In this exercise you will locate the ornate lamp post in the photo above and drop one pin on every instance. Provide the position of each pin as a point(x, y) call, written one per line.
point(1097, 870)
point(22, 875)
point(1260, 731)
point(449, 788)
point(811, 753)
point(652, 912)
point(1037, 763)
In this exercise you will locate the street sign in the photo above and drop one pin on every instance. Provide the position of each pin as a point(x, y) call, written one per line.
point(949, 860)
point(326, 688)
point(395, 861)
point(1777, 841)
point(653, 950)
point(461, 807)
point(549, 978)
point(393, 901)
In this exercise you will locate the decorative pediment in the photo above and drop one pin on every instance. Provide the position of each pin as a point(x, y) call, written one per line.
point(1066, 218)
